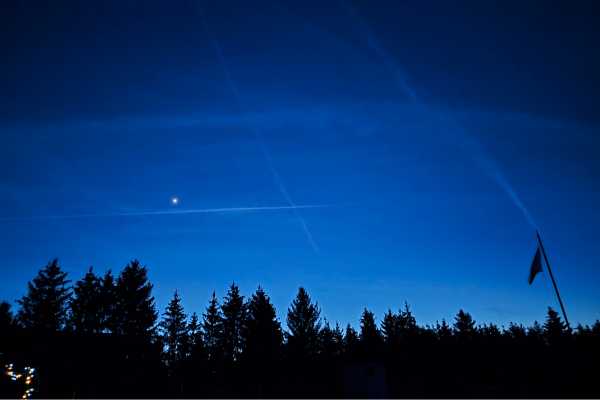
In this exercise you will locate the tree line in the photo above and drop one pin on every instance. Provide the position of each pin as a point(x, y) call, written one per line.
point(103, 337)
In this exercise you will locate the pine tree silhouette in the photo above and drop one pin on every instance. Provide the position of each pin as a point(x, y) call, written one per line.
point(331, 342)
point(555, 330)
point(464, 326)
point(113, 350)
point(304, 326)
point(196, 350)
point(109, 303)
point(390, 329)
point(370, 336)
point(490, 331)
point(45, 307)
point(263, 340)
point(516, 332)
point(443, 331)
point(583, 330)
point(407, 322)
point(490, 336)
point(86, 306)
point(338, 334)
point(175, 332)
point(262, 334)
point(535, 333)
point(596, 329)
point(136, 312)
point(328, 345)
point(212, 326)
point(234, 320)
point(351, 342)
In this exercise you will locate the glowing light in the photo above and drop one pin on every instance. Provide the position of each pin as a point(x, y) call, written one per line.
point(27, 375)
point(174, 200)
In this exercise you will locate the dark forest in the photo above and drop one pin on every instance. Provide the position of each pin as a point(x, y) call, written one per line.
point(102, 336)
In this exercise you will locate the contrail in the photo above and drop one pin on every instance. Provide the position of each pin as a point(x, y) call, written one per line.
point(484, 161)
point(389, 61)
point(257, 134)
point(494, 171)
point(164, 212)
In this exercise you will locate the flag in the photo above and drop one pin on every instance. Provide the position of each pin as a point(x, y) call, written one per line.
point(536, 266)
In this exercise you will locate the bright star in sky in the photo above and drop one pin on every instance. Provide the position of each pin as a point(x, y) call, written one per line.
point(174, 200)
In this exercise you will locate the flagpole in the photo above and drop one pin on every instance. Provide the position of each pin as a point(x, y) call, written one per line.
point(562, 307)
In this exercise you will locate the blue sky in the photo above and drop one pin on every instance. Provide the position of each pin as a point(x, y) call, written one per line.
point(397, 117)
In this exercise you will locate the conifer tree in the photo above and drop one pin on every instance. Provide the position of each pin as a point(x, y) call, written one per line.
point(136, 312)
point(464, 326)
point(262, 334)
point(555, 330)
point(195, 341)
point(86, 306)
point(304, 326)
point(338, 339)
point(489, 330)
point(45, 306)
point(490, 334)
point(370, 337)
point(109, 303)
point(351, 341)
point(407, 322)
point(535, 333)
point(263, 341)
point(443, 331)
point(390, 329)
point(516, 333)
point(368, 327)
point(212, 326)
point(596, 329)
point(234, 320)
point(331, 342)
point(583, 330)
point(175, 331)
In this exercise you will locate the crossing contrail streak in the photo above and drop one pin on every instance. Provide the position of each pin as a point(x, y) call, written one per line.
point(469, 142)
point(257, 134)
point(164, 212)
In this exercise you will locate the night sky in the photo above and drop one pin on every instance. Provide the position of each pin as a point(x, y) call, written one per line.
point(414, 128)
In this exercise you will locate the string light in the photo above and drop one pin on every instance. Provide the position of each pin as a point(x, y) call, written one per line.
point(27, 375)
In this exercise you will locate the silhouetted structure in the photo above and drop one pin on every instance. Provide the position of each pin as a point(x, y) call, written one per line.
point(101, 338)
